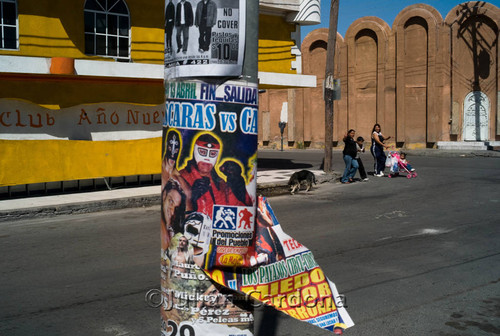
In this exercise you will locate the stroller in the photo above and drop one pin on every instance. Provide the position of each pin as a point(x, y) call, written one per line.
point(397, 166)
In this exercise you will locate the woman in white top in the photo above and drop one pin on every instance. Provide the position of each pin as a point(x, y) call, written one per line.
point(377, 150)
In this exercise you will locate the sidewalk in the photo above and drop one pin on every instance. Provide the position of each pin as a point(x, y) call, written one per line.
point(274, 170)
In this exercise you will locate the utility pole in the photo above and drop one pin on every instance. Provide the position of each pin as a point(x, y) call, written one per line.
point(329, 86)
point(209, 169)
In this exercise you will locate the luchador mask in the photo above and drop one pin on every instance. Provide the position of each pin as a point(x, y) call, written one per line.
point(173, 146)
point(206, 149)
point(198, 230)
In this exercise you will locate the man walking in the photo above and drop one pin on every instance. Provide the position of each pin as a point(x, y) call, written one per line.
point(206, 16)
point(183, 20)
point(169, 25)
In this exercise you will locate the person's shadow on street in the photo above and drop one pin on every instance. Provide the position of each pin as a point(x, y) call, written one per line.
point(269, 321)
point(268, 164)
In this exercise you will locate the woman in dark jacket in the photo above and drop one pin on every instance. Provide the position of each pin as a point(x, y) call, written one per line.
point(350, 151)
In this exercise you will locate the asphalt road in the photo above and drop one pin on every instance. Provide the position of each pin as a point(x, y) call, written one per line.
point(413, 256)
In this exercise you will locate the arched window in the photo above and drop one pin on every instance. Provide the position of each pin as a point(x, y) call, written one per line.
point(8, 24)
point(107, 28)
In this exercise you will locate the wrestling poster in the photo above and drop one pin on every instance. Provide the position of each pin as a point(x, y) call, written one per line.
point(284, 275)
point(204, 37)
point(208, 204)
point(219, 241)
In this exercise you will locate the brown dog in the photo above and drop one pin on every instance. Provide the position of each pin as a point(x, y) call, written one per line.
point(301, 176)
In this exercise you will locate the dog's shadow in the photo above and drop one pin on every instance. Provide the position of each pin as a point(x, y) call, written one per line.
point(267, 164)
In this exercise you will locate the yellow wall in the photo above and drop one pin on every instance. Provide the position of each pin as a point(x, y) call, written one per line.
point(67, 91)
point(33, 161)
point(55, 28)
point(275, 44)
point(147, 19)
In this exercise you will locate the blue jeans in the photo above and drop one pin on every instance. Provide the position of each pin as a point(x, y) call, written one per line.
point(351, 165)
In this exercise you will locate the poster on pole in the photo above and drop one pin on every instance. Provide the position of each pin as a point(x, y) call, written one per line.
point(209, 159)
point(219, 241)
point(283, 274)
point(204, 37)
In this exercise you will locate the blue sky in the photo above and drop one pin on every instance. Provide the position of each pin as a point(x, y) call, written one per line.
point(387, 10)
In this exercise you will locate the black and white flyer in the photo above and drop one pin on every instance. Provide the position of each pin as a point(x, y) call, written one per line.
point(204, 36)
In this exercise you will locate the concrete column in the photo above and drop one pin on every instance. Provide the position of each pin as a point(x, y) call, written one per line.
point(291, 115)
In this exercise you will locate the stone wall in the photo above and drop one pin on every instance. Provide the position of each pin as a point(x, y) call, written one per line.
point(425, 79)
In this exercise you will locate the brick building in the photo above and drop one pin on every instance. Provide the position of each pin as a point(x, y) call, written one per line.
point(429, 81)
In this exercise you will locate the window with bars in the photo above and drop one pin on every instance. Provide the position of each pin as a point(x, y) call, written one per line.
point(8, 24)
point(107, 28)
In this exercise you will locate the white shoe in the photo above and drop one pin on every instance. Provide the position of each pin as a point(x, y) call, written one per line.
point(413, 169)
point(365, 179)
point(380, 174)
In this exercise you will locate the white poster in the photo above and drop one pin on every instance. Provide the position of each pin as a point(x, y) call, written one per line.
point(204, 37)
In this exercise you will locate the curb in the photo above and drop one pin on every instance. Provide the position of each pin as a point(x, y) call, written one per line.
point(265, 189)
point(452, 153)
point(80, 208)
point(277, 189)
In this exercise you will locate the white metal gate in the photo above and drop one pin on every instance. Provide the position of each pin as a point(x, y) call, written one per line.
point(476, 116)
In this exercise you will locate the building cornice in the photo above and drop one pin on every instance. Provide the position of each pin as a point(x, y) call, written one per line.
point(26, 68)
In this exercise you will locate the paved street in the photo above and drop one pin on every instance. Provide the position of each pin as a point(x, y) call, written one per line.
point(413, 257)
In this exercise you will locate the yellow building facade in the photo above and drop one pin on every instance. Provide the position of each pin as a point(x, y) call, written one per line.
point(82, 94)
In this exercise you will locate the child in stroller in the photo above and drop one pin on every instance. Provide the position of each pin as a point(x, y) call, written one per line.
point(397, 163)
